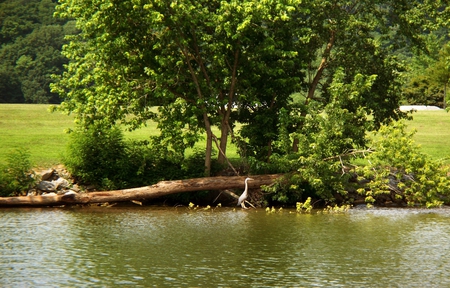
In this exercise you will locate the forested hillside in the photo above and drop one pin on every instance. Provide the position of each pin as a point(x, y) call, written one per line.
point(31, 40)
point(30, 52)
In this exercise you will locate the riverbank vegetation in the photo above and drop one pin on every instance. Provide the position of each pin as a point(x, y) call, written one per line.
point(295, 87)
point(101, 166)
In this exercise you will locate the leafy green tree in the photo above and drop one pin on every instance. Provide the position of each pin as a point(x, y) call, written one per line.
point(16, 176)
point(197, 60)
point(212, 63)
point(440, 72)
point(397, 167)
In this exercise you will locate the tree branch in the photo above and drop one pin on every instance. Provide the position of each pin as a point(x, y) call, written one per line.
point(322, 66)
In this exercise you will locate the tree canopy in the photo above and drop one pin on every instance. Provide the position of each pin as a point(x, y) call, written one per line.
point(216, 63)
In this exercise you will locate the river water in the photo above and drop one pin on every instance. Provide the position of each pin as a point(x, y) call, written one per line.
point(177, 247)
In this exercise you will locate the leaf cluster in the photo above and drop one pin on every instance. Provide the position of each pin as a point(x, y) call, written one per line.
point(324, 141)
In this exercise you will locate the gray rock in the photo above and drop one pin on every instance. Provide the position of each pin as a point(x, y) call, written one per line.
point(47, 174)
point(46, 186)
point(60, 183)
point(32, 192)
point(76, 188)
point(70, 192)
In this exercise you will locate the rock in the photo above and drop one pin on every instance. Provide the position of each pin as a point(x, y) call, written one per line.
point(46, 186)
point(70, 192)
point(60, 183)
point(76, 188)
point(49, 194)
point(32, 192)
point(47, 174)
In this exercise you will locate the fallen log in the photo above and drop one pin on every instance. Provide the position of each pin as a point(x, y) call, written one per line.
point(142, 193)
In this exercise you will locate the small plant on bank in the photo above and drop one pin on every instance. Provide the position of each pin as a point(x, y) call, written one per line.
point(270, 210)
point(337, 209)
point(16, 177)
point(304, 207)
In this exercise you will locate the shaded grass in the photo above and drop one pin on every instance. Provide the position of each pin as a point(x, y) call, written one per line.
point(31, 126)
point(151, 130)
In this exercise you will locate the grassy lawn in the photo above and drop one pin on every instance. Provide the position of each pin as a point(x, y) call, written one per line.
point(433, 132)
point(31, 126)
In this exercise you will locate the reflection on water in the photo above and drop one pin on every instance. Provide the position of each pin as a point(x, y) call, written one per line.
point(146, 246)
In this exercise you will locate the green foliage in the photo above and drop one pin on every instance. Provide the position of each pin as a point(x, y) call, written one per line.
point(198, 51)
point(397, 166)
point(429, 76)
point(304, 207)
point(16, 176)
point(421, 90)
point(96, 156)
point(326, 142)
point(102, 157)
point(30, 52)
point(336, 209)
point(217, 63)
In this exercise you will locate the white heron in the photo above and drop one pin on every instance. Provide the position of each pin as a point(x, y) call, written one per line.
point(244, 195)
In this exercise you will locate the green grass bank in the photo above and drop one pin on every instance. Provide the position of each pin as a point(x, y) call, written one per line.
point(33, 127)
point(433, 132)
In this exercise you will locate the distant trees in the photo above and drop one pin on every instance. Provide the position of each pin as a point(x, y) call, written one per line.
point(428, 74)
point(30, 52)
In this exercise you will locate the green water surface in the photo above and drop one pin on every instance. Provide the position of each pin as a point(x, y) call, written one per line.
point(176, 247)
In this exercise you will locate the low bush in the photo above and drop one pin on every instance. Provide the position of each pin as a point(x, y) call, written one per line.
point(397, 167)
point(16, 176)
point(102, 157)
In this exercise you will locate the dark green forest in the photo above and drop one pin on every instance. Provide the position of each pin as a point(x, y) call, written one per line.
point(31, 42)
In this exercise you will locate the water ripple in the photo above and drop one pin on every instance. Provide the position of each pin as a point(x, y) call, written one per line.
point(148, 247)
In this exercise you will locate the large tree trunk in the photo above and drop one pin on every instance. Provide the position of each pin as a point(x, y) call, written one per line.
point(223, 141)
point(208, 149)
point(226, 112)
point(160, 189)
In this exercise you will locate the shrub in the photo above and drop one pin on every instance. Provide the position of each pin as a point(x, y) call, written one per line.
point(398, 166)
point(96, 156)
point(16, 176)
point(101, 156)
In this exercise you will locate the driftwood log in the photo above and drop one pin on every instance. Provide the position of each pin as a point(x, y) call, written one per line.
point(135, 194)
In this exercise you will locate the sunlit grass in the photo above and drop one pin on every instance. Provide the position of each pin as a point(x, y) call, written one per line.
point(433, 132)
point(32, 127)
